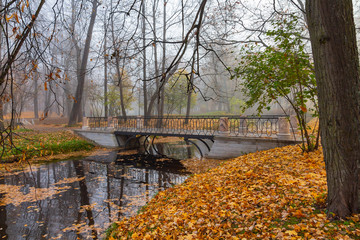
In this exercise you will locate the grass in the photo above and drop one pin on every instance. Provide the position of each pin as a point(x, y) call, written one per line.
point(30, 144)
point(21, 130)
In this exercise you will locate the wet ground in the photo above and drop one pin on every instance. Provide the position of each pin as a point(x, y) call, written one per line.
point(79, 199)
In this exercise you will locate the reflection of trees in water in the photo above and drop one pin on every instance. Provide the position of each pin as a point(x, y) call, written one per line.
point(178, 150)
point(40, 218)
point(110, 191)
point(84, 198)
point(150, 161)
point(3, 223)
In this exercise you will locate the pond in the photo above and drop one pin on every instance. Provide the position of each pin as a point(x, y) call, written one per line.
point(79, 199)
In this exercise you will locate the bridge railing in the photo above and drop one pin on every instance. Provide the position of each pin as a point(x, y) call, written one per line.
point(251, 126)
point(265, 126)
point(169, 125)
point(96, 122)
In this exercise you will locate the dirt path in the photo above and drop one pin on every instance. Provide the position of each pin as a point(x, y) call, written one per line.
point(49, 127)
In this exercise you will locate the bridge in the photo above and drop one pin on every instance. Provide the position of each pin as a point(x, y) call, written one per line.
point(224, 136)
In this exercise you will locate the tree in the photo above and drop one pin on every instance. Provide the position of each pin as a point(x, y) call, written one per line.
point(176, 92)
point(143, 30)
point(281, 71)
point(115, 103)
point(333, 41)
point(105, 69)
point(120, 74)
point(236, 105)
point(76, 111)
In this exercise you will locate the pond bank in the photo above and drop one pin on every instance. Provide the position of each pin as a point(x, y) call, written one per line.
point(274, 194)
point(37, 147)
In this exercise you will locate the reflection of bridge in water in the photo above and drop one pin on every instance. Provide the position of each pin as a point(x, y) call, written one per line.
point(231, 135)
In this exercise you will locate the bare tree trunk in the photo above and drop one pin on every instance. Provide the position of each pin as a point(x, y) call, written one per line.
point(77, 106)
point(47, 99)
point(190, 86)
point(105, 68)
point(162, 92)
point(77, 51)
point(158, 105)
point(67, 91)
point(119, 72)
point(36, 102)
point(333, 40)
point(146, 113)
point(2, 125)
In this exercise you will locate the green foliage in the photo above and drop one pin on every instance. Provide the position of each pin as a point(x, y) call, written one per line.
point(114, 99)
point(281, 71)
point(176, 92)
point(237, 105)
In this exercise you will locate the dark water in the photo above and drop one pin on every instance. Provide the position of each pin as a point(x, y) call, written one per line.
point(79, 199)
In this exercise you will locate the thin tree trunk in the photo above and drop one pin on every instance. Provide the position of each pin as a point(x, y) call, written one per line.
point(146, 113)
point(105, 68)
point(36, 102)
point(158, 105)
point(77, 106)
point(118, 71)
point(2, 125)
point(333, 40)
point(77, 50)
point(162, 92)
point(67, 91)
point(190, 86)
point(47, 101)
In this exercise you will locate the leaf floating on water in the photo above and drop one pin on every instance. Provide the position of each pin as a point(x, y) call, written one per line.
point(14, 195)
point(69, 180)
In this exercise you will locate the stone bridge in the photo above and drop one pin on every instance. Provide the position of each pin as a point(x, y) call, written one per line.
point(224, 136)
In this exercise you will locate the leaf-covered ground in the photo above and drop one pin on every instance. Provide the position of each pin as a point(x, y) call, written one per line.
point(274, 194)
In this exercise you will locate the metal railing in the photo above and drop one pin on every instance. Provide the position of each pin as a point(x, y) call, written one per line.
point(169, 125)
point(252, 126)
point(97, 122)
point(265, 126)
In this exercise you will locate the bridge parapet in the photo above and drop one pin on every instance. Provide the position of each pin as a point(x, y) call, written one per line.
point(284, 129)
point(85, 123)
point(224, 126)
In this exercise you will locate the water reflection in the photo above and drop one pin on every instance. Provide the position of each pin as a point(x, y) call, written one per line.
point(78, 199)
point(177, 149)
